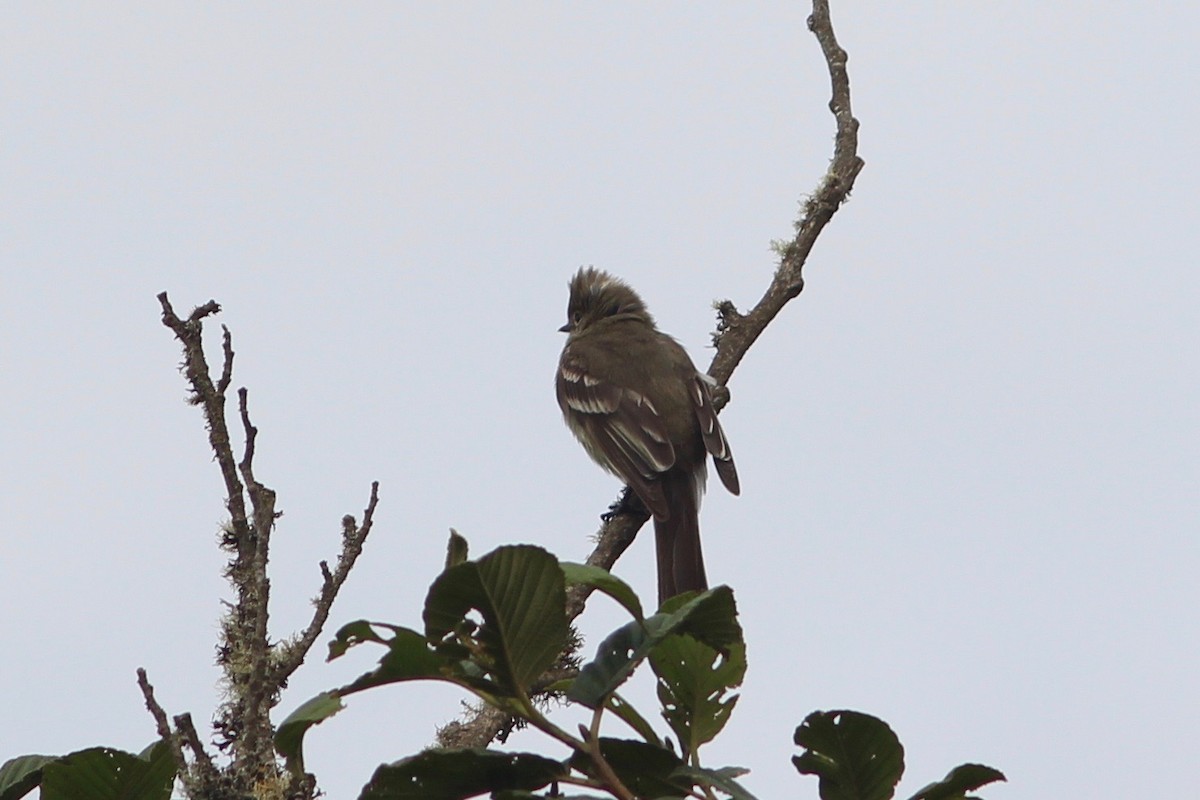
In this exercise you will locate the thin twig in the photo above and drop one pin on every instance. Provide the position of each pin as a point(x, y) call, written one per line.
point(227, 366)
point(737, 332)
point(204, 762)
point(293, 653)
point(213, 401)
point(161, 724)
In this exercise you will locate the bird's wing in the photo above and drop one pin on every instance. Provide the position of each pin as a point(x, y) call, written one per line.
point(710, 430)
point(621, 429)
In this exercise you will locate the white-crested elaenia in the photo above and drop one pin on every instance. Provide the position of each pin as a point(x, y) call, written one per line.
point(633, 398)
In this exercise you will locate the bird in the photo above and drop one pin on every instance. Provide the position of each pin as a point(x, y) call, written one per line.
point(642, 411)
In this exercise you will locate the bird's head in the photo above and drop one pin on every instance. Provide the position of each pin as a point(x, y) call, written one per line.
point(597, 296)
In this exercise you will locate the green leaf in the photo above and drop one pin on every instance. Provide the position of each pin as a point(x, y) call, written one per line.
point(646, 770)
point(409, 657)
point(454, 774)
point(856, 756)
point(520, 593)
point(19, 776)
point(102, 773)
point(631, 717)
point(962, 779)
point(710, 617)
point(606, 582)
point(694, 681)
point(518, 794)
point(722, 779)
point(289, 738)
point(456, 549)
point(355, 633)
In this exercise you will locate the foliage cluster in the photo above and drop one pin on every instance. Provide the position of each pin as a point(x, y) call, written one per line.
point(496, 626)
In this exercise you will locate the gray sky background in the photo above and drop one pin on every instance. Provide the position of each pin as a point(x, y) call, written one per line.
point(969, 451)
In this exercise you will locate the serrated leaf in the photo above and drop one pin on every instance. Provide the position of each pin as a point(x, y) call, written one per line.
point(456, 774)
point(855, 756)
point(104, 773)
point(520, 594)
point(604, 581)
point(289, 738)
point(646, 770)
point(960, 780)
point(694, 681)
point(709, 616)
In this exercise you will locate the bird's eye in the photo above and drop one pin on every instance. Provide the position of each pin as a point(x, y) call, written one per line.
point(575, 317)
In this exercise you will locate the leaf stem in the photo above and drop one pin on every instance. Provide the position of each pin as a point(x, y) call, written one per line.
point(602, 766)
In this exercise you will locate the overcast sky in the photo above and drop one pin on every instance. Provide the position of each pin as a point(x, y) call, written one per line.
point(969, 451)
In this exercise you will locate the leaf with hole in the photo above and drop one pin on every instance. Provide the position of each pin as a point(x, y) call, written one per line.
point(854, 755)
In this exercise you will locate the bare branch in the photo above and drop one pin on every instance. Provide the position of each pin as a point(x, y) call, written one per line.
point(255, 671)
point(163, 727)
point(247, 463)
point(737, 332)
point(186, 732)
point(259, 691)
point(244, 719)
point(204, 763)
point(483, 724)
point(293, 653)
point(227, 368)
point(200, 312)
point(213, 400)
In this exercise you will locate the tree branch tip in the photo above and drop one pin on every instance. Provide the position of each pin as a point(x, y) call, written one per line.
point(200, 312)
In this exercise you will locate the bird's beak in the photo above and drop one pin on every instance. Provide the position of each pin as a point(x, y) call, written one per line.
point(566, 328)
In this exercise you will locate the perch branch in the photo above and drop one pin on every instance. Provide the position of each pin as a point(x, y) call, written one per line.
point(736, 332)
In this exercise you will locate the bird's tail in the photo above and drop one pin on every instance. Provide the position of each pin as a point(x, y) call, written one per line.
point(677, 537)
